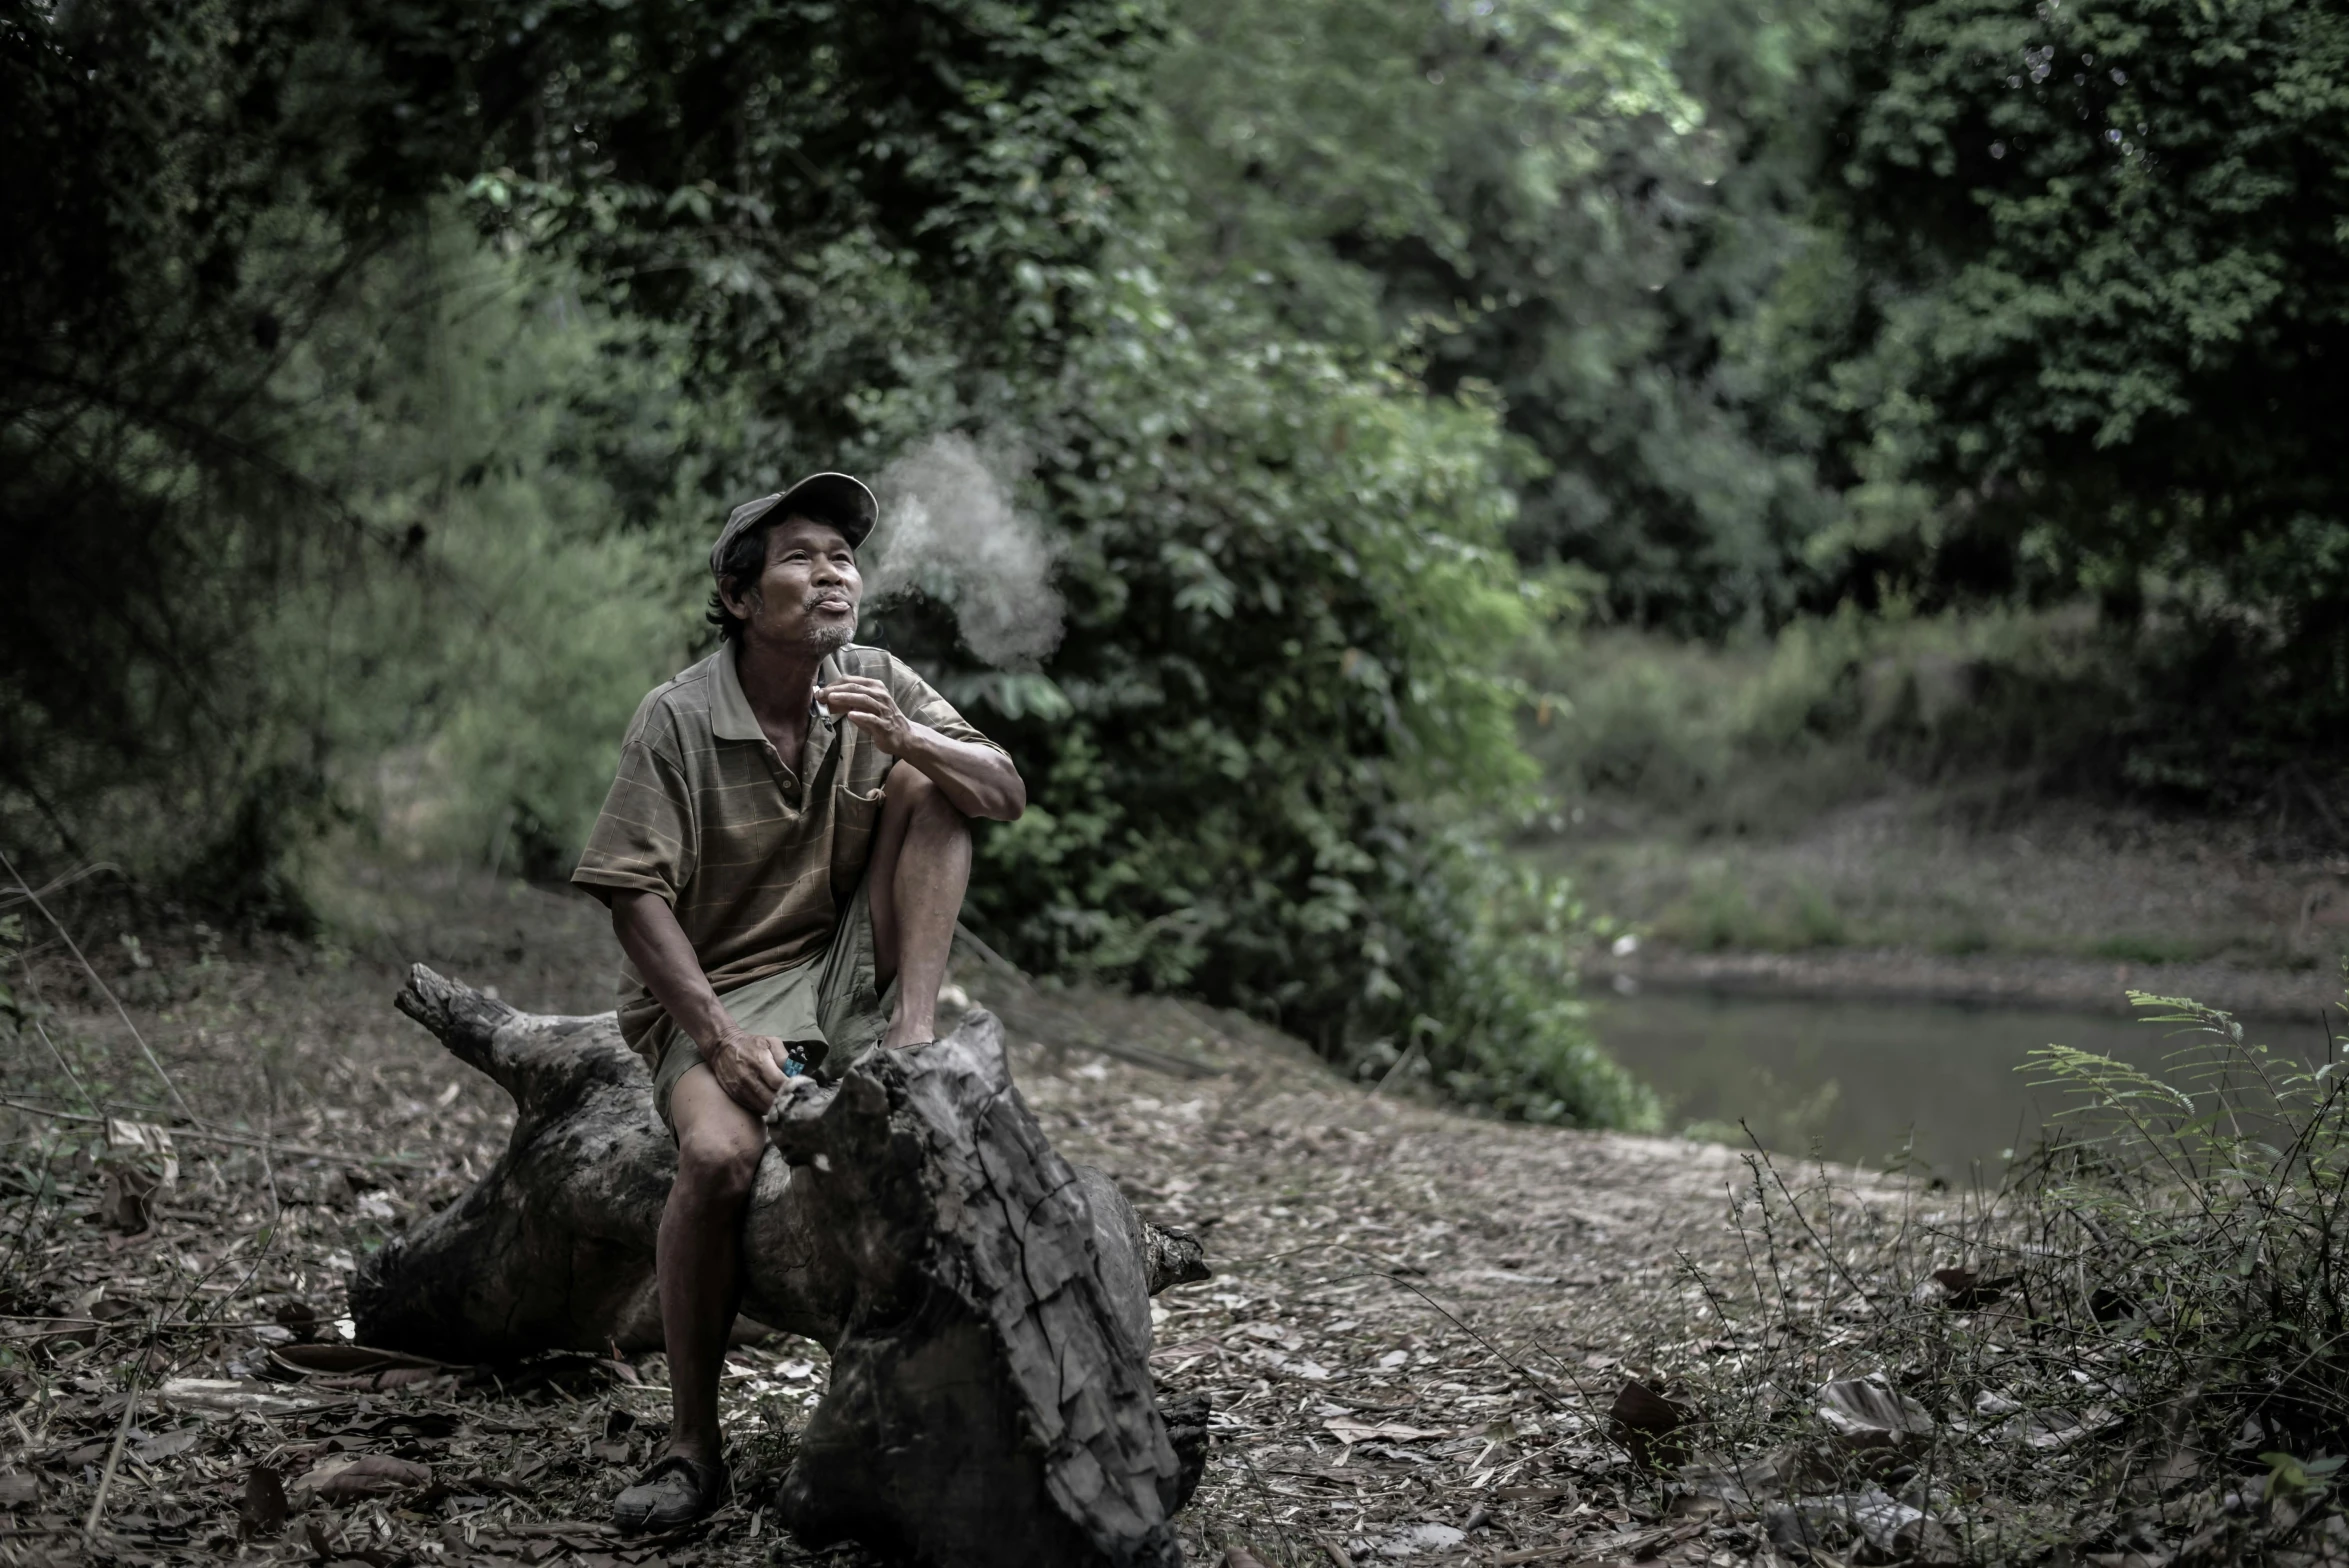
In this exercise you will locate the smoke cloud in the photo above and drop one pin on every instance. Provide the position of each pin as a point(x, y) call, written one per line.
point(949, 529)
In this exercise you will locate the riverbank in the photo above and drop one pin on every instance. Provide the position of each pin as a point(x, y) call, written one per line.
point(1968, 896)
point(1872, 980)
point(2046, 981)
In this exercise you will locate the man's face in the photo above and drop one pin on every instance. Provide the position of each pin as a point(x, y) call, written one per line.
point(806, 595)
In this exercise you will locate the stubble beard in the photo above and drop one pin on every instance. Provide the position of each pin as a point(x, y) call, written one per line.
point(832, 638)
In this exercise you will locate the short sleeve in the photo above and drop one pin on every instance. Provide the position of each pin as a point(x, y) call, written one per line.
point(920, 702)
point(644, 840)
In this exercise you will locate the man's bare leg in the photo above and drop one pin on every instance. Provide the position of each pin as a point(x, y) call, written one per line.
point(920, 869)
point(699, 1260)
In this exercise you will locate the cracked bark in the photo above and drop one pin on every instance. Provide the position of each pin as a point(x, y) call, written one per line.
point(985, 1302)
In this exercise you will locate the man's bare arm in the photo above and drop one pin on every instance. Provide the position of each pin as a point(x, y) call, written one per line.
point(981, 781)
point(748, 1067)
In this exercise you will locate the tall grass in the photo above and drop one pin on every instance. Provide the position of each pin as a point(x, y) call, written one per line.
point(2138, 1343)
point(1752, 729)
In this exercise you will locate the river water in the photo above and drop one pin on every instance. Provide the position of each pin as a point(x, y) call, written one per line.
point(1857, 1080)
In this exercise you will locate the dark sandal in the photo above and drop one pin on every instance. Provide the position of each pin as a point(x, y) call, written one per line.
point(675, 1492)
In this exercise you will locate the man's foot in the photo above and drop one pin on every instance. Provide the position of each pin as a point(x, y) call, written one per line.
point(674, 1492)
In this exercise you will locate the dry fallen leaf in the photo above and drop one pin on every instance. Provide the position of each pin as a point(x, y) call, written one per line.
point(1963, 1290)
point(343, 1478)
point(296, 1316)
point(168, 1445)
point(339, 1358)
point(1866, 1413)
point(1348, 1431)
point(230, 1396)
point(1648, 1423)
point(263, 1510)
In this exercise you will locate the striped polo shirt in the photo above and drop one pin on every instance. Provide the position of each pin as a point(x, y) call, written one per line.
point(757, 857)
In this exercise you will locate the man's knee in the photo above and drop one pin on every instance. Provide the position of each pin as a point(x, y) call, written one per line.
point(913, 792)
point(719, 1162)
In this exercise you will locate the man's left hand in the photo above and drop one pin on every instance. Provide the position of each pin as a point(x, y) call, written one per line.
point(866, 703)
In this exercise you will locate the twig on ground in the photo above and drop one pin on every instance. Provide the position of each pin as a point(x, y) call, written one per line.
point(203, 1134)
point(1087, 1038)
point(104, 989)
point(1826, 1249)
point(130, 1406)
point(1402, 1063)
point(1337, 1553)
point(58, 883)
point(1489, 1348)
point(64, 1066)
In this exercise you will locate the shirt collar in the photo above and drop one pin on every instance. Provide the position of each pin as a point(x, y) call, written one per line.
point(730, 714)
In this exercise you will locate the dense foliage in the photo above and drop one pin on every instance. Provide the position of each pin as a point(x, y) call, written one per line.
point(203, 196)
point(570, 278)
point(1289, 592)
point(1961, 300)
point(1574, 205)
point(2078, 329)
point(369, 375)
point(2110, 286)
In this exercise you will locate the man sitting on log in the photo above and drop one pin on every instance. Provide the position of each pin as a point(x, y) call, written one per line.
point(785, 887)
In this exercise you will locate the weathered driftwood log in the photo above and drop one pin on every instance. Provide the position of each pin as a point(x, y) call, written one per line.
point(986, 1303)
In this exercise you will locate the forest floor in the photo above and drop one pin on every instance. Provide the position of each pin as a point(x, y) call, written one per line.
point(1418, 1325)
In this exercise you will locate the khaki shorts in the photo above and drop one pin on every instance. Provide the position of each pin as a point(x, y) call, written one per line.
point(828, 1008)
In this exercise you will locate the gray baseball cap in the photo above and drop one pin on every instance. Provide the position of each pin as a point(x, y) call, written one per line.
point(830, 498)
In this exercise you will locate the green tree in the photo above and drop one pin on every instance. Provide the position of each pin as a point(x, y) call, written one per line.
point(726, 243)
point(822, 201)
point(1290, 595)
point(2082, 326)
point(1576, 206)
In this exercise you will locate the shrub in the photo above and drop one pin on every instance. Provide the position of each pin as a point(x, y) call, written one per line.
point(1831, 706)
point(2138, 1344)
point(1280, 703)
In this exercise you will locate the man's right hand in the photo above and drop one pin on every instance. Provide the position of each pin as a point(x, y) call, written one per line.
point(749, 1067)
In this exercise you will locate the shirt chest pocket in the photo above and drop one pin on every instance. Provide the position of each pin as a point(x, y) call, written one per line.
point(856, 818)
